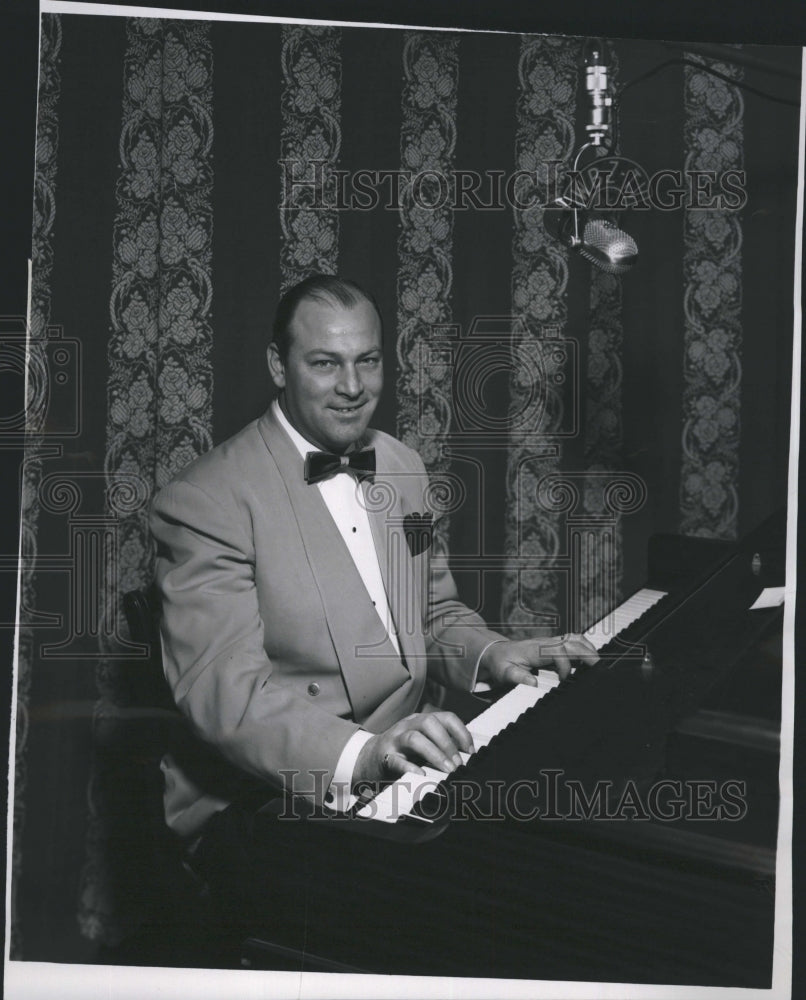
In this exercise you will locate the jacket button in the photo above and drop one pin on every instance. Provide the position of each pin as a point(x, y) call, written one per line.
point(313, 689)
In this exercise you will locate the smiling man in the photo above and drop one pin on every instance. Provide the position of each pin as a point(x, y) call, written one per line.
point(327, 360)
point(297, 638)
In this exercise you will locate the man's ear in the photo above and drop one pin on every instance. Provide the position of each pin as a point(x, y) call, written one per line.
point(276, 366)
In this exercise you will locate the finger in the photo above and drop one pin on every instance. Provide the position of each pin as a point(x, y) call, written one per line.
point(540, 652)
point(562, 649)
point(420, 745)
point(581, 648)
point(562, 665)
point(458, 730)
point(395, 764)
point(432, 727)
point(515, 674)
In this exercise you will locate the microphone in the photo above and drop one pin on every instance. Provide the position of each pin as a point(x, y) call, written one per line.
point(582, 219)
point(596, 238)
point(600, 102)
point(607, 247)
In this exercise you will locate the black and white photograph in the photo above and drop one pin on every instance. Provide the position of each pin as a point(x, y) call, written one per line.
point(402, 597)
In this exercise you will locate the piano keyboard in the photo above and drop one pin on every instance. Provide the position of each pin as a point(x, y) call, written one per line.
point(400, 798)
point(622, 617)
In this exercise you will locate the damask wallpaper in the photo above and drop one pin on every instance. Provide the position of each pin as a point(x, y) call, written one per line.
point(714, 140)
point(189, 172)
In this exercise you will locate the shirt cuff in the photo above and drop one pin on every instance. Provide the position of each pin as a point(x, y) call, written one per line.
point(339, 796)
point(476, 681)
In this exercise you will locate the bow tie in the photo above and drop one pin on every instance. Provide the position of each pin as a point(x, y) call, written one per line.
point(321, 465)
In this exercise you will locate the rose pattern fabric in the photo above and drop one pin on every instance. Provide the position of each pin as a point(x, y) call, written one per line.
point(162, 291)
point(159, 391)
point(598, 587)
point(44, 217)
point(712, 299)
point(425, 245)
point(310, 144)
point(547, 74)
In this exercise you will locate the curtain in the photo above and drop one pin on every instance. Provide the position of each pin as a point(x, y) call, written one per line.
point(189, 172)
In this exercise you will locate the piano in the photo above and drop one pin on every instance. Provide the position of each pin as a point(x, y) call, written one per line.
point(623, 636)
point(640, 844)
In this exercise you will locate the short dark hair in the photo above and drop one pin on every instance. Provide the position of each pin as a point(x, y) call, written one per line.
point(328, 288)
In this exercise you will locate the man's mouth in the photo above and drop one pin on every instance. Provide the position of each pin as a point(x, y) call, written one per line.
point(348, 409)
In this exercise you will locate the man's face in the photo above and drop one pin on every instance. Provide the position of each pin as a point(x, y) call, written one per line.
point(333, 376)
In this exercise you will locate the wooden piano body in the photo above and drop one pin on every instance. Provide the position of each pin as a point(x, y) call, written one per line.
point(689, 694)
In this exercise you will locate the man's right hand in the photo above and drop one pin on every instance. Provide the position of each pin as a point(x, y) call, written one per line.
point(430, 738)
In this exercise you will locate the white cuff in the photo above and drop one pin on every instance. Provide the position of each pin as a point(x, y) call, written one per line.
point(339, 796)
point(485, 686)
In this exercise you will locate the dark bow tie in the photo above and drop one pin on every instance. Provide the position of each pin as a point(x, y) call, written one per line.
point(321, 465)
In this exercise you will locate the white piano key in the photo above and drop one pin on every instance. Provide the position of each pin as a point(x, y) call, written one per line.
point(622, 617)
point(508, 708)
point(399, 798)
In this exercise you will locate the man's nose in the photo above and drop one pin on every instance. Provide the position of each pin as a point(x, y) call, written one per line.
point(349, 383)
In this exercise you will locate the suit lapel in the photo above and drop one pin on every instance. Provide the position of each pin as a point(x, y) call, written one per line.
point(371, 669)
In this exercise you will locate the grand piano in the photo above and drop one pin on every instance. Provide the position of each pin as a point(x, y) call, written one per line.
point(639, 843)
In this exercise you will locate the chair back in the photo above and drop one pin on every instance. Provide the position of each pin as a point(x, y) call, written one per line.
point(142, 610)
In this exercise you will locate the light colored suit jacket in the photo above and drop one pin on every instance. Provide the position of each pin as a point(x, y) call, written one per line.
point(271, 644)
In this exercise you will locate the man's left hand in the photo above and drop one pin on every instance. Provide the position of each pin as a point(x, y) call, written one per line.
point(513, 662)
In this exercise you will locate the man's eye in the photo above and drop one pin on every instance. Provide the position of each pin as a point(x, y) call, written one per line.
point(323, 363)
point(371, 362)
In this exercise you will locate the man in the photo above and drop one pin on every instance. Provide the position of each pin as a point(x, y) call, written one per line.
point(297, 633)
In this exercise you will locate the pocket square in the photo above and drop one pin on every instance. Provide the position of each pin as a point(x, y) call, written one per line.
point(419, 529)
